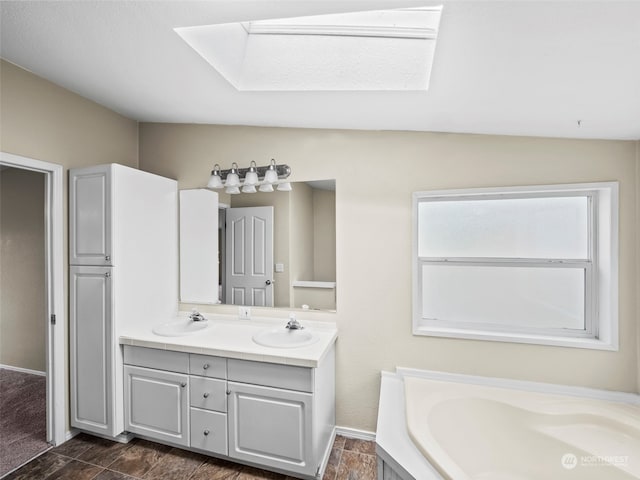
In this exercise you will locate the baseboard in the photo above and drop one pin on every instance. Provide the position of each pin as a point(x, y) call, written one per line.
point(23, 370)
point(70, 434)
point(355, 433)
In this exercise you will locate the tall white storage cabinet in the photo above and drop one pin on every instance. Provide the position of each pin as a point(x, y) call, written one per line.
point(123, 255)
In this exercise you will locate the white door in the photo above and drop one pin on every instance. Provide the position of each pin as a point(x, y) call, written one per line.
point(90, 216)
point(249, 262)
point(272, 427)
point(157, 404)
point(90, 308)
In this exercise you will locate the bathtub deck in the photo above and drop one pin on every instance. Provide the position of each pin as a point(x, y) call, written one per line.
point(398, 457)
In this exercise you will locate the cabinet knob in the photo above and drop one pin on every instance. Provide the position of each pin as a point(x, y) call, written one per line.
point(183, 384)
point(107, 258)
point(206, 394)
point(205, 366)
point(228, 392)
point(206, 432)
point(107, 275)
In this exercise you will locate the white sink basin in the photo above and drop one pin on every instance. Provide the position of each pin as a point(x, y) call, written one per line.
point(180, 328)
point(285, 338)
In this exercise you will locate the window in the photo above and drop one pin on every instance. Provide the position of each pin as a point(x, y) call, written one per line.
point(524, 264)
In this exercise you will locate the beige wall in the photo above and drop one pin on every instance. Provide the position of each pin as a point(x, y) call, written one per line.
point(22, 269)
point(301, 232)
point(44, 121)
point(375, 174)
point(324, 235)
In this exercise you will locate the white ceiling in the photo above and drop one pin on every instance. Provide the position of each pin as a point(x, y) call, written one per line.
point(501, 67)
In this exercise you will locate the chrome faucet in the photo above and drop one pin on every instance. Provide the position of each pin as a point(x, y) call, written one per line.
point(196, 316)
point(293, 323)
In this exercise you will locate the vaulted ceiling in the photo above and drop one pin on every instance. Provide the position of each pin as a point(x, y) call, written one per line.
point(553, 68)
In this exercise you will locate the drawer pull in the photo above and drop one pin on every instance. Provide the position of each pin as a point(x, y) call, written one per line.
point(205, 366)
point(206, 432)
point(206, 394)
point(183, 384)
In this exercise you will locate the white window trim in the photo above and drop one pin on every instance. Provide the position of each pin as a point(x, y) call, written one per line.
point(601, 315)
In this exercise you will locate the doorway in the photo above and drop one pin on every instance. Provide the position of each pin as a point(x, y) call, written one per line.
point(50, 314)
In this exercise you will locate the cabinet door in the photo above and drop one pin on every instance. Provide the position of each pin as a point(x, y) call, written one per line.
point(272, 427)
point(90, 306)
point(90, 216)
point(157, 404)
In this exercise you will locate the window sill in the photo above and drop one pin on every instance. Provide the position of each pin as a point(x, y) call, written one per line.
point(547, 340)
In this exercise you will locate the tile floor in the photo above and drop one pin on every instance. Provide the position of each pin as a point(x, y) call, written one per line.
point(85, 457)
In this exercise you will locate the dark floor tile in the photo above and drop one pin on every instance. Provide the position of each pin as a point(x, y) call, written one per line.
point(40, 467)
point(357, 466)
point(76, 446)
point(360, 446)
point(250, 473)
point(139, 458)
point(103, 452)
point(216, 469)
point(339, 441)
point(177, 464)
point(111, 475)
point(332, 464)
point(75, 470)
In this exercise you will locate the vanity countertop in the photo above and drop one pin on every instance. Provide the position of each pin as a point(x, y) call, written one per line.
point(227, 336)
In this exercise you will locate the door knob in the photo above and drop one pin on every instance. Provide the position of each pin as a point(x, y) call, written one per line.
point(268, 282)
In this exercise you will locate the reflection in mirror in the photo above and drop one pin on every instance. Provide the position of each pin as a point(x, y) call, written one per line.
point(275, 249)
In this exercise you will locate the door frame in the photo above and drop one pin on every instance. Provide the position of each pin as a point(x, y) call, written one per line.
point(54, 284)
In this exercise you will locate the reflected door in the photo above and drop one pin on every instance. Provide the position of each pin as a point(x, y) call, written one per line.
point(249, 262)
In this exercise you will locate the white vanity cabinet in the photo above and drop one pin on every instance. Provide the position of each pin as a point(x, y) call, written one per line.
point(157, 404)
point(208, 413)
point(94, 378)
point(272, 426)
point(276, 416)
point(156, 394)
point(90, 241)
point(123, 250)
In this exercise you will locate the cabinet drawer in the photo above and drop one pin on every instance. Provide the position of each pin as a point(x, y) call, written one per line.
point(208, 393)
point(155, 358)
point(209, 431)
point(271, 375)
point(207, 366)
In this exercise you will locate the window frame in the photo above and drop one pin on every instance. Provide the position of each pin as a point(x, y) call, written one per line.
point(600, 318)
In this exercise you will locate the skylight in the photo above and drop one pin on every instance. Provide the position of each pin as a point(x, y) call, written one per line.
point(375, 50)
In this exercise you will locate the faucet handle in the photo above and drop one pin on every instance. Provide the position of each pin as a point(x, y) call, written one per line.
point(293, 322)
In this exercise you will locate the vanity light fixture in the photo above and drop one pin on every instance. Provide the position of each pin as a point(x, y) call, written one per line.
point(251, 179)
point(215, 181)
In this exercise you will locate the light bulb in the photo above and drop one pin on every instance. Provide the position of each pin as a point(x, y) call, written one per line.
point(214, 180)
point(232, 177)
point(251, 178)
point(271, 175)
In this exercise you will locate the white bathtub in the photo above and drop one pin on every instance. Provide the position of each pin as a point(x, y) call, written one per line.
point(460, 427)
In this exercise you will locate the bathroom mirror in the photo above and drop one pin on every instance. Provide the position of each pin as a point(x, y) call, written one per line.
point(273, 249)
